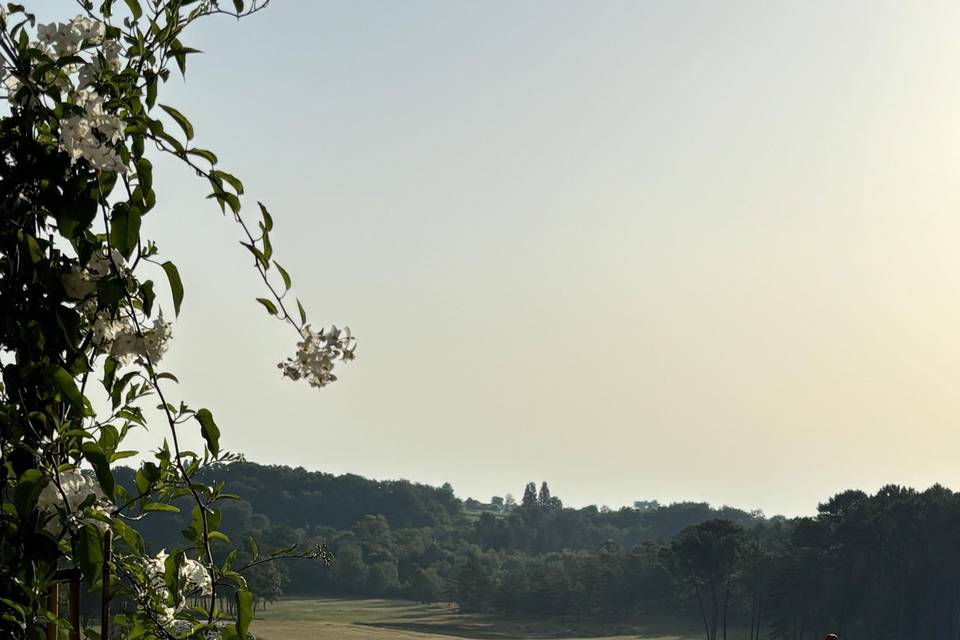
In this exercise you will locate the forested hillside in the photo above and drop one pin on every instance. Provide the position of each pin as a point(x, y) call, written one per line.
point(865, 565)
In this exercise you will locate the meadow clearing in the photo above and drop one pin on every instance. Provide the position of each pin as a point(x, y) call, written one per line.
point(353, 619)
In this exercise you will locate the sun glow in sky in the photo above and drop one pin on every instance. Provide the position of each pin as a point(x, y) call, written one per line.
point(678, 250)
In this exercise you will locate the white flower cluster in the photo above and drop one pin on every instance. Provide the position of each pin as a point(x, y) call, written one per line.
point(90, 135)
point(62, 504)
point(194, 578)
point(82, 283)
point(65, 38)
point(119, 338)
point(317, 354)
point(111, 334)
point(109, 58)
point(180, 627)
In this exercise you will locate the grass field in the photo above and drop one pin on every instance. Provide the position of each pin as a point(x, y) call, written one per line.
point(352, 619)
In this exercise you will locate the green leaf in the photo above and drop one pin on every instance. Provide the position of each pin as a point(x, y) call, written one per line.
point(90, 552)
point(33, 249)
point(262, 259)
point(75, 214)
point(244, 612)
point(97, 458)
point(147, 296)
point(151, 471)
point(303, 314)
point(173, 142)
point(267, 218)
point(128, 535)
point(270, 307)
point(254, 548)
point(284, 275)
point(180, 56)
point(159, 506)
point(267, 249)
point(145, 173)
point(125, 229)
point(68, 387)
point(209, 156)
point(225, 198)
point(29, 486)
point(180, 119)
point(110, 291)
point(209, 430)
point(238, 5)
point(194, 532)
point(135, 9)
point(230, 179)
point(219, 535)
point(151, 89)
point(176, 285)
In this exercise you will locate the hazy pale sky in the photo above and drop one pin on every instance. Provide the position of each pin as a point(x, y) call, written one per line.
point(676, 250)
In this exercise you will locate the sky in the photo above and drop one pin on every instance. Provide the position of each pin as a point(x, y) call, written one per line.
point(676, 250)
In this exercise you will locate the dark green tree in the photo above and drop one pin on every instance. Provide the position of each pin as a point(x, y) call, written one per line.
point(425, 586)
point(529, 496)
point(704, 560)
point(543, 498)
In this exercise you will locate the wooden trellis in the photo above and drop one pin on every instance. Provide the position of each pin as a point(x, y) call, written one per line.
point(72, 577)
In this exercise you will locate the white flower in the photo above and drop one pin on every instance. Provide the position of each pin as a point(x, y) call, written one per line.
point(155, 569)
point(154, 343)
point(82, 283)
point(78, 284)
point(109, 58)
point(13, 85)
point(63, 504)
point(88, 29)
point(196, 577)
point(125, 345)
point(193, 577)
point(180, 627)
point(155, 593)
point(47, 33)
point(74, 131)
point(76, 487)
point(59, 39)
point(65, 39)
point(106, 329)
point(88, 136)
point(121, 339)
point(317, 353)
point(101, 266)
point(166, 615)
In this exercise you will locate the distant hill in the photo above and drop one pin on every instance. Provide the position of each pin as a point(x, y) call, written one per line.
point(309, 501)
point(398, 538)
point(299, 498)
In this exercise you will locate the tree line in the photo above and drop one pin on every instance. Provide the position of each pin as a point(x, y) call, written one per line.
point(865, 566)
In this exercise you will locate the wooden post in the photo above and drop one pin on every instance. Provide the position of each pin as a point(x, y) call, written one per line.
point(75, 605)
point(53, 606)
point(105, 587)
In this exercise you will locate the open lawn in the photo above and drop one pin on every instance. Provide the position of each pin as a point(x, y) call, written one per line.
point(353, 619)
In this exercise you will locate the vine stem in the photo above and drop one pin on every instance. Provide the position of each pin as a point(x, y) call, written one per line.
point(203, 173)
point(171, 422)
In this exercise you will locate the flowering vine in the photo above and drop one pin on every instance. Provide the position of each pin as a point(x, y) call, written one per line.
point(79, 305)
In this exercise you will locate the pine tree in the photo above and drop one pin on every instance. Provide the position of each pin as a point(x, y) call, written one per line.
point(544, 498)
point(529, 495)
